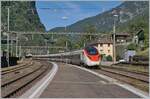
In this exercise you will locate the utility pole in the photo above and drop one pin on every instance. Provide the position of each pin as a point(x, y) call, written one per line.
point(65, 28)
point(65, 18)
point(114, 40)
point(47, 47)
point(46, 44)
point(52, 37)
point(84, 44)
point(32, 36)
point(20, 52)
point(16, 45)
point(66, 50)
point(90, 37)
point(66, 45)
point(8, 19)
point(8, 35)
point(11, 40)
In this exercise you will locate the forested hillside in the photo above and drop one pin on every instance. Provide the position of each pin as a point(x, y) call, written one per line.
point(132, 16)
point(23, 16)
point(128, 11)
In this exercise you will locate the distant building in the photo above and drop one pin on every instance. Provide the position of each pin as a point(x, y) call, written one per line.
point(135, 39)
point(104, 45)
point(139, 37)
point(122, 37)
point(128, 55)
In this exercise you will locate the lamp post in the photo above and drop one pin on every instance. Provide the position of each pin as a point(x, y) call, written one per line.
point(18, 45)
point(66, 46)
point(65, 26)
point(8, 21)
point(65, 18)
point(20, 52)
point(7, 35)
point(46, 43)
point(114, 39)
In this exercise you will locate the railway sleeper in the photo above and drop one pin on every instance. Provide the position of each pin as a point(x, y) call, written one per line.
point(17, 78)
point(127, 75)
point(9, 92)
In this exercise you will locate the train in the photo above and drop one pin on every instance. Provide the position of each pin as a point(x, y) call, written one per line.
point(88, 56)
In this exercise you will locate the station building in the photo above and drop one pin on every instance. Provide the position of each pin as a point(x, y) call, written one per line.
point(104, 45)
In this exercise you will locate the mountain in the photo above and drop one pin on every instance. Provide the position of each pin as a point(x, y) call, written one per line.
point(23, 16)
point(127, 11)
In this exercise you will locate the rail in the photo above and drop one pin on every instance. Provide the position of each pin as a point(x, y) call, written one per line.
point(137, 80)
point(17, 83)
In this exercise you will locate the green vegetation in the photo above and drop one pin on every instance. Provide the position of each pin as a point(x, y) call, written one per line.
point(135, 25)
point(131, 46)
point(144, 53)
point(23, 16)
point(86, 39)
point(74, 41)
point(104, 22)
point(134, 17)
point(109, 58)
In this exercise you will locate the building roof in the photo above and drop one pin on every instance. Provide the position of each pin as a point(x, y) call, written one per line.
point(122, 34)
point(102, 41)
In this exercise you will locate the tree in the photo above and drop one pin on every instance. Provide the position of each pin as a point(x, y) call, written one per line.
point(141, 35)
point(89, 28)
point(85, 39)
point(131, 46)
point(109, 58)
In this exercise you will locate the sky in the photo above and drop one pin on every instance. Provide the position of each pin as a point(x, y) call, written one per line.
point(62, 13)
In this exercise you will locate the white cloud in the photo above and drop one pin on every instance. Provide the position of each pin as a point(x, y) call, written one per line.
point(64, 17)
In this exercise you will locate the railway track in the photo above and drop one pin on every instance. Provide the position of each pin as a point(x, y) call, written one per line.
point(140, 81)
point(16, 68)
point(17, 81)
point(128, 70)
point(134, 75)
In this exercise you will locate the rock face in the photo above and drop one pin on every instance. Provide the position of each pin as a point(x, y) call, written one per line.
point(23, 16)
point(103, 22)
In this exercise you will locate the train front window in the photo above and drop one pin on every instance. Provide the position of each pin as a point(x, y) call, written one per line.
point(92, 50)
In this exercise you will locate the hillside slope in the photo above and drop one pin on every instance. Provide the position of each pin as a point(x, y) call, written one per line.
point(23, 16)
point(103, 22)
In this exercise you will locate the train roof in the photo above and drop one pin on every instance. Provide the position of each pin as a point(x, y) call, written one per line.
point(67, 53)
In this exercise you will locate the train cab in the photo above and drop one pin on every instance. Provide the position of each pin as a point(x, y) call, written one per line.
point(91, 56)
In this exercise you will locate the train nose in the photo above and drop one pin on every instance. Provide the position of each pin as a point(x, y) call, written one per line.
point(94, 57)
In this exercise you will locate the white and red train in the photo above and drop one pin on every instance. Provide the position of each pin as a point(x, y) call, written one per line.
point(89, 56)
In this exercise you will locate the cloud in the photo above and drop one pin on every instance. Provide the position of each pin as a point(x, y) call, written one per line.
point(64, 17)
